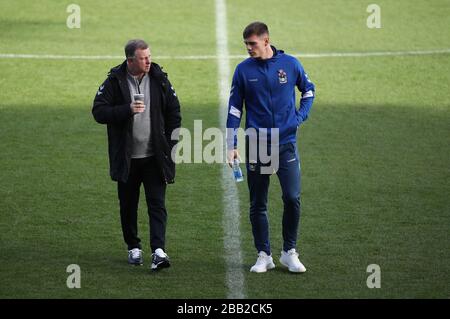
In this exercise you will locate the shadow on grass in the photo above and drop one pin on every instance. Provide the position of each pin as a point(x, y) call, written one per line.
point(375, 185)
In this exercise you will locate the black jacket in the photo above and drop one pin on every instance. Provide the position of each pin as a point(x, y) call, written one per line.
point(112, 107)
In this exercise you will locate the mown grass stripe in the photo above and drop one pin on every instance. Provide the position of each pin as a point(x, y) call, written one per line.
point(231, 213)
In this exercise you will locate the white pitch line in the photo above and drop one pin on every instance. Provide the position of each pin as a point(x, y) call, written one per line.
point(227, 57)
point(231, 212)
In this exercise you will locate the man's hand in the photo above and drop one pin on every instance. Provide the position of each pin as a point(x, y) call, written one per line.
point(231, 155)
point(137, 107)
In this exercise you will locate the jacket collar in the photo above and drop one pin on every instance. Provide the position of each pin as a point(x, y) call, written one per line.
point(276, 54)
point(120, 71)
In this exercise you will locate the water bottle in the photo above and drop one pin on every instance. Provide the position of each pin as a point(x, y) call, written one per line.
point(238, 177)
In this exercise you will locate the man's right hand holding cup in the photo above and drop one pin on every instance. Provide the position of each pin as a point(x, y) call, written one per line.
point(138, 105)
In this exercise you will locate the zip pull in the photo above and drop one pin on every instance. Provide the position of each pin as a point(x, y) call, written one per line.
point(137, 84)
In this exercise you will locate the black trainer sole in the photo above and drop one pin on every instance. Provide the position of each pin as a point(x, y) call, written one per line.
point(164, 264)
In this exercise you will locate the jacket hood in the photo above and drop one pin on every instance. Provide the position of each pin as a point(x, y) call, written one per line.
point(276, 55)
point(276, 52)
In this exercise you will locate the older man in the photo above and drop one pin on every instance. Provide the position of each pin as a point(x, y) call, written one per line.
point(141, 110)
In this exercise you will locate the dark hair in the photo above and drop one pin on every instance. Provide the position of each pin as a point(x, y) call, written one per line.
point(255, 28)
point(133, 45)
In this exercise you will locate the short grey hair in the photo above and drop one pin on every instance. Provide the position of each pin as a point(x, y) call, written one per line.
point(133, 45)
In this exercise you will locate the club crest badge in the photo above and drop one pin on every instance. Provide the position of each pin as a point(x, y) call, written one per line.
point(282, 76)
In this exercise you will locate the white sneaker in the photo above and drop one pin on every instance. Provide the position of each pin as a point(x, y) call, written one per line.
point(263, 263)
point(290, 260)
point(160, 253)
point(135, 256)
point(160, 260)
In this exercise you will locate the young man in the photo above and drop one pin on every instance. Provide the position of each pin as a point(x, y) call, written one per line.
point(266, 82)
point(139, 137)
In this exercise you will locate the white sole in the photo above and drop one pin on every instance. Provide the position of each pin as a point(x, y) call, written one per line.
point(292, 269)
point(270, 266)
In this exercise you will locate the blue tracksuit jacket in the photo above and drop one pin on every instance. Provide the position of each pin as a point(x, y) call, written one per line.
point(268, 89)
